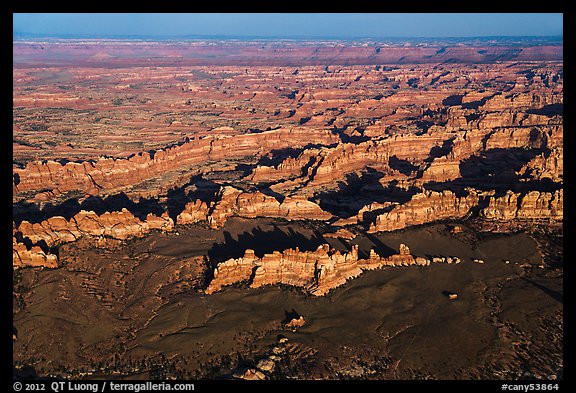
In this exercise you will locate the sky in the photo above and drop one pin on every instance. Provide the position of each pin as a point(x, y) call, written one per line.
point(338, 25)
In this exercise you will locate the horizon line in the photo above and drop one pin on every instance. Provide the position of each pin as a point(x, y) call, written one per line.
point(21, 35)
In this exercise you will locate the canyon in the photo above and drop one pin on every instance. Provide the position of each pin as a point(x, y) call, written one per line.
point(198, 190)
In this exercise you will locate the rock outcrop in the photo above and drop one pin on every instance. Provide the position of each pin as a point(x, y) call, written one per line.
point(545, 166)
point(501, 102)
point(289, 168)
point(35, 256)
point(533, 205)
point(340, 233)
point(195, 211)
point(316, 271)
point(108, 174)
point(431, 206)
point(235, 202)
point(509, 138)
point(332, 163)
point(56, 230)
point(426, 207)
point(117, 225)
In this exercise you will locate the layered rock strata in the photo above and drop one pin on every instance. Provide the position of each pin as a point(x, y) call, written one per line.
point(334, 163)
point(117, 225)
point(289, 168)
point(107, 174)
point(316, 271)
point(57, 230)
point(195, 211)
point(432, 206)
point(545, 166)
point(35, 256)
point(234, 202)
point(426, 207)
point(534, 205)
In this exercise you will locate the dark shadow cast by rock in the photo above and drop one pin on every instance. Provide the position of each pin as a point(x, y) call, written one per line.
point(196, 188)
point(380, 248)
point(357, 191)
point(262, 242)
point(548, 110)
point(453, 100)
point(558, 296)
point(24, 373)
point(496, 169)
point(69, 208)
point(403, 166)
point(289, 316)
point(177, 198)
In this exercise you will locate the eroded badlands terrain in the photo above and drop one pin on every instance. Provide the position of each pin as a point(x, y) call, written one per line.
point(397, 218)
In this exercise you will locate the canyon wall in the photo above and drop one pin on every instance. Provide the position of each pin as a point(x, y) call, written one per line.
point(34, 257)
point(124, 225)
point(108, 174)
point(316, 271)
point(426, 207)
point(234, 202)
point(56, 230)
point(432, 206)
point(534, 205)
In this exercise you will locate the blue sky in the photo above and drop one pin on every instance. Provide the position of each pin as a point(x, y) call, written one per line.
point(337, 25)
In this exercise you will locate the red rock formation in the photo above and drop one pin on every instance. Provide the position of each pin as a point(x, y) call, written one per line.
point(425, 207)
point(291, 167)
point(509, 118)
point(233, 271)
point(57, 230)
point(340, 233)
point(291, 267)
point(403, 258)
point(117, 225)
point(431, 206)
point(378, 129)
point(35, 256)
point(195, 211)
point(525, 137)
point(334, 163)
point(467, 143)
point(295, 323)
point(542, 205)
point(365, 213)
point(531, 206)
point(555, 137)
point(234, 202)
point(533, 100)
point(441, 169)
point(545, 166)
point(108, 174)
point(316, 271)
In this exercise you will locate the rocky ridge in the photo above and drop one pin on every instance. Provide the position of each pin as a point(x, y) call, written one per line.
point(433, 206)
point(316, 271)
point(123, 224)
point(51, 178)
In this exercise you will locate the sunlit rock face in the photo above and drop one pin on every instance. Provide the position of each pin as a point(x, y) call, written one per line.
point(316, 271)
point(365, 147)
